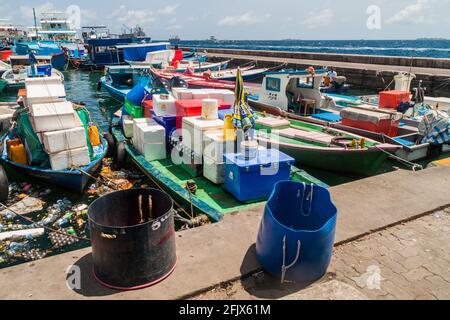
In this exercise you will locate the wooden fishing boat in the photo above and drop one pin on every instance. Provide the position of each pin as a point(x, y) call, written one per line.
point(196, 81)
point(248, 74)
point(72, 180)
point(14, 78)
point(297, 95)
point(324, 148)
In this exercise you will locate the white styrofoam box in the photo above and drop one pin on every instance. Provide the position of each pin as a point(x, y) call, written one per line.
point(127, 126)
point(189, 157)
point(57, 141)
point(194, 129)
point(149, 133)
point(214, 171)
point(136, 124)
point(70, 159)
point(154, 151)
point(53, 116)
point(228, 96)
point(200, 94)
point(43, 90)
point(182, 93)
point(164, 105)
point(215, 146)
point(210, 109)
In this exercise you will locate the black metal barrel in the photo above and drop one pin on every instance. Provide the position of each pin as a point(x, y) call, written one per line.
point(133, 238)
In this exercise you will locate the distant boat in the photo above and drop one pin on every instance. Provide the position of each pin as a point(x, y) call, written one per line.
point(174, 40)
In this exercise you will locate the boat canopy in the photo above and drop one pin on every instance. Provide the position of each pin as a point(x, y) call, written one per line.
point(138, 52)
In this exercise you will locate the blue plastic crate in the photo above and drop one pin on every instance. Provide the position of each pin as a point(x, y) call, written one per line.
point(253, 180)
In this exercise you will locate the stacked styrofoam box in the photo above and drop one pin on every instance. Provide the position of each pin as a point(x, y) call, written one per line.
point(56, 123)
point(215, 146)
point(127, 126)
point(194, 130)
point(149, 138)
point(164, 105)
point(44, 90)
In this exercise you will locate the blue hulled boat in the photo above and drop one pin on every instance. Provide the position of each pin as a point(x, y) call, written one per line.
point(73, 180)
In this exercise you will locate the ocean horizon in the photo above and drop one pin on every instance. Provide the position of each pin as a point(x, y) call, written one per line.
point(427, 48)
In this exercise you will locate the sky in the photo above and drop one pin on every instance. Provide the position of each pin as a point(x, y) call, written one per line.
point(254, 19)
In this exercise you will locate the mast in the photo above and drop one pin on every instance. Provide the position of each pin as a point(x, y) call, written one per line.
point(35, 23)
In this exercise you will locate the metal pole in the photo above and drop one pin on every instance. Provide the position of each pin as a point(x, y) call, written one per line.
point(35, 23)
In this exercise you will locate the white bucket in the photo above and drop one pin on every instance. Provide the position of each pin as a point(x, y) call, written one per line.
point(210, 109)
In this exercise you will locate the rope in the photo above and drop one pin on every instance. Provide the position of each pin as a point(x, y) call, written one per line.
point(414, 166)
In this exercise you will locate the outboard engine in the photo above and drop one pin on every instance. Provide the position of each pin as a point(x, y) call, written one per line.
point(161, 84)
point(177, 82)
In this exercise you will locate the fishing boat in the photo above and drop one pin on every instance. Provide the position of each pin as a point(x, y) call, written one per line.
point(72, 180)
point(67, 162)
point(113, 51)
point(197, 81)
point(249, 73)
point(14, 78)
point(59, 56)
point(297, 95)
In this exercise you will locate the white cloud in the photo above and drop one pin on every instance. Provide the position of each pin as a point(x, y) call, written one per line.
point(245, 19)
point(169, 9)
point(131, 18)
point(27, 11)
point(412, 11)
point(319, 19)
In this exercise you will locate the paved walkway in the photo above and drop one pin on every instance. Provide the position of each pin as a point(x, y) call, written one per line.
point(225, 251)
point(405, 262)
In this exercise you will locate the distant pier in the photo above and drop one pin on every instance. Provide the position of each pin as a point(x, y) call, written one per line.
point(373, 72)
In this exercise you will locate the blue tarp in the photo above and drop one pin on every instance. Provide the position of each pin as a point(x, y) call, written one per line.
point(140, 53)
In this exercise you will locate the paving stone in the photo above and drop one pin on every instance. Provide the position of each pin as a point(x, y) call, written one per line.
point(417, 274)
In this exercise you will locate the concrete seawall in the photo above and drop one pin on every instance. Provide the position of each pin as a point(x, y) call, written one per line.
point(373, 72)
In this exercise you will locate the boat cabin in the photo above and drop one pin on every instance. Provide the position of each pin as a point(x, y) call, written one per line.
point(294, 91)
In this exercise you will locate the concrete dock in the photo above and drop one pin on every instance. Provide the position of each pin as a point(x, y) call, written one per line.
point(223, 252)
point(373, 72)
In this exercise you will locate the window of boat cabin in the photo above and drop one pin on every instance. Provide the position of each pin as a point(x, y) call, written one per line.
point(305, 83)
point(273, 84)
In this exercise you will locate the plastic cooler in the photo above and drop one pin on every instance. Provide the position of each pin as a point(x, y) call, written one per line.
point(44, 69)
point(372, 121)
point(169, 124)
point(254, 179)
point(148, 107)
point(193, 108)
point(392, 99)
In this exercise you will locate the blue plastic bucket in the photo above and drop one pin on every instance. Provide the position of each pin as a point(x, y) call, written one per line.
point(136, 95)
point(297, 233)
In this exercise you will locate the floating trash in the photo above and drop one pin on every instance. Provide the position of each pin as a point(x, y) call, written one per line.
point(34, 254)
point(63, 238)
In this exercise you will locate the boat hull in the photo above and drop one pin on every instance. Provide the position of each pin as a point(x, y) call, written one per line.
point(116, 93)
point(357, 162)
point(72, 180)
point(60, 62)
